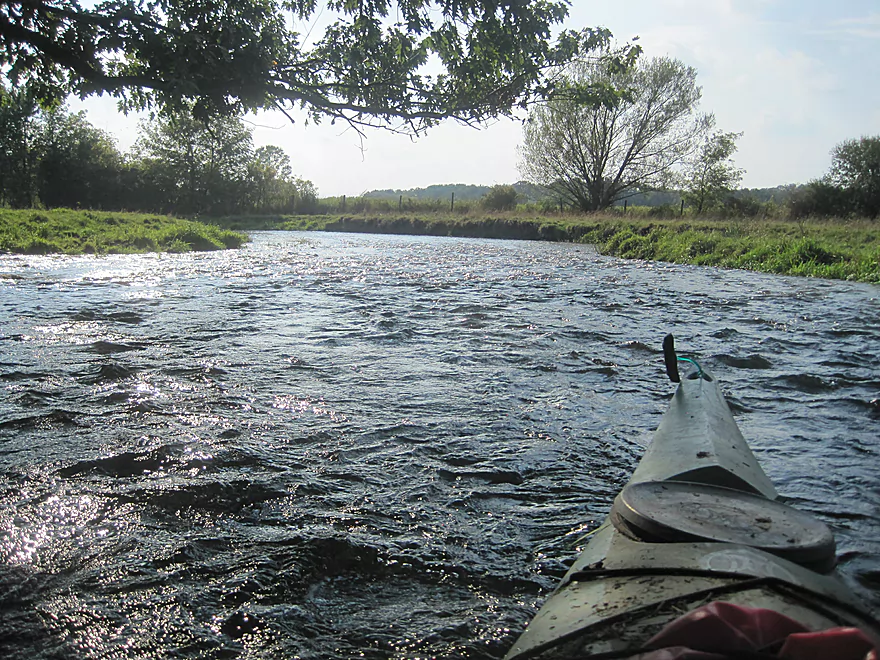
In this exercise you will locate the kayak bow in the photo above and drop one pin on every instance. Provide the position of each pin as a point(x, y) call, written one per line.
point(698, 522)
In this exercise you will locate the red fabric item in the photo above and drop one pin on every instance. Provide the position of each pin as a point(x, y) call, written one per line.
point(721, 626)
point(678, 653)
point(712, 631)
point(837, 643)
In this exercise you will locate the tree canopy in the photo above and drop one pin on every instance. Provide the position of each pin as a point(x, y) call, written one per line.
point(500, 198)
point(709, 174)
point(855, 167)
point(52, 158)
point(404, 64)
point(595, 149)
point(200, 166)
point(850, 188)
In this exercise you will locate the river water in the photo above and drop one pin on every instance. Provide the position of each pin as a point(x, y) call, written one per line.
point(338, 446)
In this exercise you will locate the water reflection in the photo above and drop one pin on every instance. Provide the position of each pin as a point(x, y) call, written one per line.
point(49, 530)
point(287, 450)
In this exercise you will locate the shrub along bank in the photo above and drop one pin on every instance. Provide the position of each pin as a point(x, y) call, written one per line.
point(839, 249)
point(96, 232)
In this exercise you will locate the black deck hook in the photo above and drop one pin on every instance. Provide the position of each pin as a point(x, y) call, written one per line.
point(671, 358)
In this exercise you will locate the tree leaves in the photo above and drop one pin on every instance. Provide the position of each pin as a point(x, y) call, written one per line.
point(53, 158)
point(710, 174)
point(855, 167)
point(403, 64)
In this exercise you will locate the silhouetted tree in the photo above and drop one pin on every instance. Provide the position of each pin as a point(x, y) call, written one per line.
point(79, 164)
point(821, 199)
point(19, 130)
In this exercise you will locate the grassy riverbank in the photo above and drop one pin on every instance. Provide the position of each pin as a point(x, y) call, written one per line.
point(821, 248)
point(95, 232)
point(848, 250)
point(838, 249)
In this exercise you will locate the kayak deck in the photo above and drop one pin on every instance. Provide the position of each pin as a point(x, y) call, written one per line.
point(698, 522)
point(620, 592)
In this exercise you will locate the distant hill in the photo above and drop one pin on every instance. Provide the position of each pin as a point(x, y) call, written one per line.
point(779, 194)
point(463, 191)
point(652, 198)
point(529, 192)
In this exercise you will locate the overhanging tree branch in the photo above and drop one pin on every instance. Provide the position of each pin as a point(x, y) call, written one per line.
point(225, 56)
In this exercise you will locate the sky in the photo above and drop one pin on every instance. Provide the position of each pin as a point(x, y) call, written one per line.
point(796, 77)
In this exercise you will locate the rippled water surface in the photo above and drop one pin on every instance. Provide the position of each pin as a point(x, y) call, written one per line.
point(335, 446)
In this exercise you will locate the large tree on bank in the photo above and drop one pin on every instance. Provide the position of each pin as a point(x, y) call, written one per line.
point(598, 149)
point(199, 167)
point(855, 168)
point(709, 174)
point(403, 64)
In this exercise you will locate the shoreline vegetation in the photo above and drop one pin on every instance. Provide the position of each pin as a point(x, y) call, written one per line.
point(68, 231)
point(835, 249)
point(828, 248)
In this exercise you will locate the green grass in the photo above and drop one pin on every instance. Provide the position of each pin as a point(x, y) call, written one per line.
point(837, 249)
point(840, 249)
point(495, 225)
point(95, 232)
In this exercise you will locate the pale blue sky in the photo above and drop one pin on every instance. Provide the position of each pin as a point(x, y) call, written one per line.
point(795, 76)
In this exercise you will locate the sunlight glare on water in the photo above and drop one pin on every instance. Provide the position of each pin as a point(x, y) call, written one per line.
point(337, 446)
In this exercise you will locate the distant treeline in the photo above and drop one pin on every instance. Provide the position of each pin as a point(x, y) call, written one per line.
point(819, 199)
point(529, 193)
point(850, 189)
point(52, 158)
